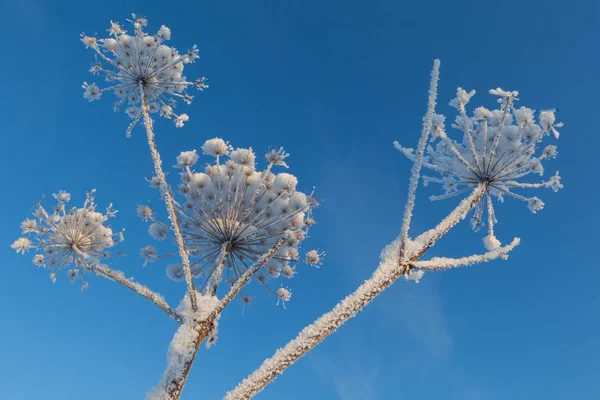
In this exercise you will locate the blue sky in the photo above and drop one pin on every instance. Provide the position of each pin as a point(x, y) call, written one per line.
point(335, 83)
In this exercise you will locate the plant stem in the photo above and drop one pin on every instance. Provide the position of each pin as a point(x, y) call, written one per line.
point(169, 202)
point(416, 168)
point(119, 277)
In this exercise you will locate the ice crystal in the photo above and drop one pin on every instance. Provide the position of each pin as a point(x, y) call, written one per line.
point(141, 66)
point(232, 215)
point(498, 150)
point(76, 239)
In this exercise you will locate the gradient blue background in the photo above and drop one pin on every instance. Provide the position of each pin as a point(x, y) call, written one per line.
point(335, 83)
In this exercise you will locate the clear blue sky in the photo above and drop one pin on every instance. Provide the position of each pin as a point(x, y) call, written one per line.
point(335, 83)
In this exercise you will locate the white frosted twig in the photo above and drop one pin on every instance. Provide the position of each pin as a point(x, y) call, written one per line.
point(119, 277)
point(390, 269)
point(416, 168)
point(169, 202)
point(441, 263)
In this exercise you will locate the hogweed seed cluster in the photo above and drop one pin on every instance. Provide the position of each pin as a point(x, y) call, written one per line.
point(76, 239)
point(498, 149)
point(141, 65)
point(231, 215)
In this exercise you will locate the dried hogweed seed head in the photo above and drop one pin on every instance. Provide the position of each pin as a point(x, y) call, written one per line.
point(283, 295)
point(313, 257)
point(77, 238)
point(231, 210)
point(141, 66)
point(175, 272)
point(497, 150)
point(216, 147)
point(144, 212)
point(148, 253)
point(158, 231)
point(21, 245)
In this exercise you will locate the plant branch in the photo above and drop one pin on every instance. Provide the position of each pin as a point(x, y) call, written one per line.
point(416, 169)
point(390, 269)
point(119, 277)
point(442, 263)
point(426, 240)
point(169, 202)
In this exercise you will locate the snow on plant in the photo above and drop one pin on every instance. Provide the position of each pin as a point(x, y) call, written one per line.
point(232, 214)
point(498, 149)
point(182, 348)
point(76, 239)
point(140, 67)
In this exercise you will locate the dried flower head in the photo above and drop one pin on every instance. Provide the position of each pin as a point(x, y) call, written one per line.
point(231, 210)
point(498, 150)
point(77, 238)
point(138, 66)
point(283, 295)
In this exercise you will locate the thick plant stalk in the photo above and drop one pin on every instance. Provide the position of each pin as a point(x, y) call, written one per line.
point(119, 277)
point(383, 277)
point(175, 386)
point(169, 202)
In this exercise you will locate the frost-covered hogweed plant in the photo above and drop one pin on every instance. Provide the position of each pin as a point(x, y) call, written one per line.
point(76, 239)
point(235, 224)
point(141, 68)
point(499, 149)
point(232, 215)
